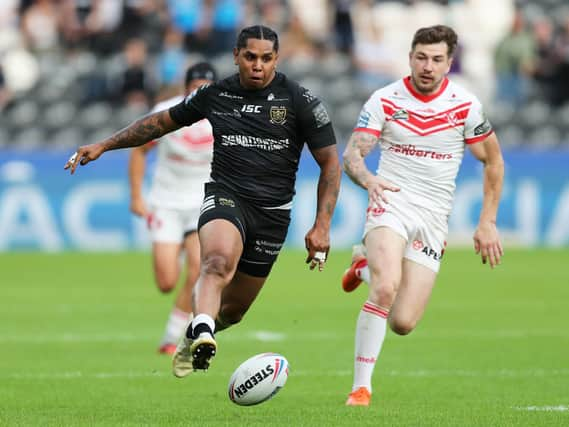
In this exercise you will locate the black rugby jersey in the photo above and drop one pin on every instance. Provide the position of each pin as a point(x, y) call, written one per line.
point(259, 134)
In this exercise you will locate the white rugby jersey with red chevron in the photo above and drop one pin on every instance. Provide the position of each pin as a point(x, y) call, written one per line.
point(422, 138)
point(183, 164)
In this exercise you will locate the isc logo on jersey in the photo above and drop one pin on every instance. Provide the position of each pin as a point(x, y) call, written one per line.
point(249, 108)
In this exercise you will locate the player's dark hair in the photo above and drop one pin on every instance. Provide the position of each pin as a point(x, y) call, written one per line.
point(201, 70)
point(259, 32)
point(436, 34)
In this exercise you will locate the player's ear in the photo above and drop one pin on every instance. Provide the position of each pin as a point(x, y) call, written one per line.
point(449, 64)
point(235, 55)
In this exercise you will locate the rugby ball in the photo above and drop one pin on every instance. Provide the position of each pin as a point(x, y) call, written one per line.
point(258, 379)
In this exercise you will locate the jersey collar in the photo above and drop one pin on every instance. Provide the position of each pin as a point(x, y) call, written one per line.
point(420, 96)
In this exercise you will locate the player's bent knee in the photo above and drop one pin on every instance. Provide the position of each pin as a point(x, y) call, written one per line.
point(402, 326)
point(382, 295)
point(165, 285)
point(217, 265)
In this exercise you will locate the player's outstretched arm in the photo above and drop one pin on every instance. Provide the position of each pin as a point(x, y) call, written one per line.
point(136, 170)
point(359, 146)
point(486, 238)
point(147, 128)
point(317, 239)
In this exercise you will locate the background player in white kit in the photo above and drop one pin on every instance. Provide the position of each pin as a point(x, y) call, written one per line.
point(422, 124)
point(172, 212)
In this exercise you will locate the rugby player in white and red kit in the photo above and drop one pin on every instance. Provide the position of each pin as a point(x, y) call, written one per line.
point(173, 206)
point(422, 124)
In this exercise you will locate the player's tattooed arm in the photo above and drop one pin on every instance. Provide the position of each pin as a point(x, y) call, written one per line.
point(317, 240)
point(142, 131)
point(329, 181)
point(359, 146)
point(138, 133)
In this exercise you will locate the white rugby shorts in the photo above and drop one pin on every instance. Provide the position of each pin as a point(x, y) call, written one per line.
point(425, 231)
point(170, 225)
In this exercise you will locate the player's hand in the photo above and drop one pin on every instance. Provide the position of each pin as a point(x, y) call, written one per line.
point(317, 243)
point(487, 243)
point(138, 207)
point(376, 189)
point(84, 155)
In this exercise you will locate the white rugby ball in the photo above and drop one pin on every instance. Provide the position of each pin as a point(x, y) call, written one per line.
point(258, 379)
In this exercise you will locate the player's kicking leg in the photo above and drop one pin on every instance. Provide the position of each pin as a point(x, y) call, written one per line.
point(218, 265)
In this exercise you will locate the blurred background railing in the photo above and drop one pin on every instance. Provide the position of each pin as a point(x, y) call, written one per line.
point(73, 71)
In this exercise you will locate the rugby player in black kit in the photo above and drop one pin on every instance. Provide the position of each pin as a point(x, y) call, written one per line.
point(260, 121)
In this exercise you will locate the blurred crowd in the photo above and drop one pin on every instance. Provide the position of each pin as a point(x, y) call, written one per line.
point(130, 53)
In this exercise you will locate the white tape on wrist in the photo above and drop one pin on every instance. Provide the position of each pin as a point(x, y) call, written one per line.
point(320, 256)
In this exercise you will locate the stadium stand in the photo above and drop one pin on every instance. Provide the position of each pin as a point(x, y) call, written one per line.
point(70, 89)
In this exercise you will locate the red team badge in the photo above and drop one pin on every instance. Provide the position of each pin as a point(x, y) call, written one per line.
point(375, 211)
point(417, 245)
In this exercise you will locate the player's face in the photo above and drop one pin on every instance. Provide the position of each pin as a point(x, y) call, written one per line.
point(257, 63)
point(430, 64)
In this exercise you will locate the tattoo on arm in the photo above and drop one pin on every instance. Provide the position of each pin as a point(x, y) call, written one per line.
point(142, 131)
point(328, 183)
point(359, 146)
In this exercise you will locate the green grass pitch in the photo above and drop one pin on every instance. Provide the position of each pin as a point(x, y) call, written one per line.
point(78, 336)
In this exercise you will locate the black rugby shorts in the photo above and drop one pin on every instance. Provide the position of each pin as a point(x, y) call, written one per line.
point(263, 231)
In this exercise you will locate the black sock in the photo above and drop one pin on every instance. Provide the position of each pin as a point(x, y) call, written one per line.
point(193, 333)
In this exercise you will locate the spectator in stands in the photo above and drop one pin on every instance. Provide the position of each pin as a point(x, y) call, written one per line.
point(372, 57)
point(136, 85)
point(171, 58)
point(193, 19)
point(4, 91)
point(297, 45)
point(40, 26)
point(562, 52)
point(514, 62)
point(226, 18)
point(546, 60)
point(343, 29)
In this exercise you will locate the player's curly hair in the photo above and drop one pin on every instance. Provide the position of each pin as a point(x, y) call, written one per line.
point(259, 32)
point(436, 34)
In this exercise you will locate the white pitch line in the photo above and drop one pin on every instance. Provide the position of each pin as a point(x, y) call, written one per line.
point(423, 373)
point(271, 336)
point(558, 408)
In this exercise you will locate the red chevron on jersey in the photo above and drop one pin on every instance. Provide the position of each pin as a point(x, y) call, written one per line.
point(425, 124)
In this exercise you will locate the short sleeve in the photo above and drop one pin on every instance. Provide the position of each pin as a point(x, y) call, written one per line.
point(476, 126)
point(314, 120)
point(372, 116)
point(192, 109)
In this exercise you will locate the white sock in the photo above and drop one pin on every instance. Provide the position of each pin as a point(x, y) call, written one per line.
point(370, 333)
point(203, 318)
point(176, 326)
point(363, 273)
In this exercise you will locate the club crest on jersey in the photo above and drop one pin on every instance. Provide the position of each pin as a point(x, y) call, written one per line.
point(277, 115)
point(401, 115)
point(451, 118)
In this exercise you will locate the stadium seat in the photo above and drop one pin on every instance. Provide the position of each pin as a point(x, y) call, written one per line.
point(23, 114)
point(534, 114)
point(29, 138)
point(95, 115)
point(511, 136)
point(67, 138)
point(58, 115)
point(545, 137)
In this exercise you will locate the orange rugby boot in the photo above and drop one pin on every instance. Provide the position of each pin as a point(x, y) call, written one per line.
point(359, 397)
point(351, 278)
point(167, 348)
